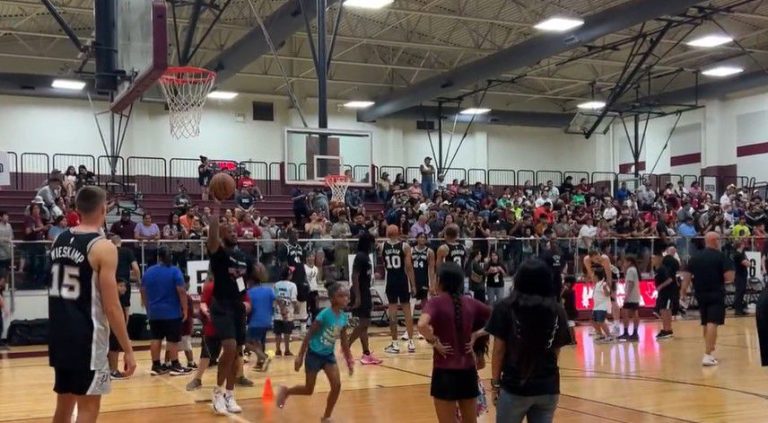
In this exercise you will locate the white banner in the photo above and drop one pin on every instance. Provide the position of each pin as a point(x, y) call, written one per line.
point(198, 273)
point(755, 271)
point(5, 169)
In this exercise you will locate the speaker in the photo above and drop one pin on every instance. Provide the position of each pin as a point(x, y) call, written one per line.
point(425, 125)
point(263, 111)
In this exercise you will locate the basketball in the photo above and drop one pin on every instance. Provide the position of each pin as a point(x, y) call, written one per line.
point(222, 186)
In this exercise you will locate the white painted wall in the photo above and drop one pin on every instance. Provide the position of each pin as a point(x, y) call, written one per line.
point(721, 127)
point(67, 126)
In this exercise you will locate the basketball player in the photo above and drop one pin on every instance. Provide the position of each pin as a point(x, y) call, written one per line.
point(424, 272)
point(594, 260)
point(362, 303)
point(423, 268)
point(452, 250)
point(227, 310)
point(399, 286)
point(82, 306)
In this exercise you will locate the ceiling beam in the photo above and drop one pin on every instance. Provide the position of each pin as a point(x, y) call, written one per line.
point(527, 53)
point(280, 26)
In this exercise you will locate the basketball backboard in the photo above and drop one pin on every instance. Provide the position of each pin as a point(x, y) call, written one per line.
point(142, 48)
point(312, 154)
point(583, 121)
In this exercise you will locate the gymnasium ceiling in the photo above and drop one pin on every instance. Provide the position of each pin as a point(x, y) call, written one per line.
point(381, 51)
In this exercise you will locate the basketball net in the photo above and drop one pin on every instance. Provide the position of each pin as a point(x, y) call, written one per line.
point(185, 90)
point(338, 185)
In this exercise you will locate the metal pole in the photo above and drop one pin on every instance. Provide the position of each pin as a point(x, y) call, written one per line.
point(321, 68)
point(13, 282)
point(439, 138)
point(636, 149)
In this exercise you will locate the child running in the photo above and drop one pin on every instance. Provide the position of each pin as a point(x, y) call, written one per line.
point(602, 303)
point(317, 351)
point(260, 319)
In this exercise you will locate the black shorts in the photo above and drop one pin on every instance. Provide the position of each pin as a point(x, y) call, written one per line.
point(668, 299)
point(712, 311)
point(454, 385)
point(114, 345)
point(282, 327)
point(210, 348)
point(5, 267)
point(168, 329)
point(125, 299)
point(422, 291)
point(81, 382)
point(631, 306)
point(366, 305)
point(229, 320)
point(398, 292)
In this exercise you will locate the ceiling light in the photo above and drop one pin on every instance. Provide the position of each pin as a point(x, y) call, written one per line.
point(358, 104)
point(722, 71)
point(368, 4)
point(559, 24)
point(591, 105)
point(68, 84)
point(222, 95)
point(709, 41)
point(475, 111)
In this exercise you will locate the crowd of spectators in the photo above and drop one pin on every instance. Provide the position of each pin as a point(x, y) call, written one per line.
point(515, 221)
point(577, 217)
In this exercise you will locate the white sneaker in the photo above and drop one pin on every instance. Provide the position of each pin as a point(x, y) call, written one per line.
point(709, 361)
point(411, 347)
point(219, 403)
point(404, 336)
point(392, 348)
point(231, 404)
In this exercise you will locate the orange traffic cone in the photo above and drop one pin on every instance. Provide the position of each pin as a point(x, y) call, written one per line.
point(267, 394)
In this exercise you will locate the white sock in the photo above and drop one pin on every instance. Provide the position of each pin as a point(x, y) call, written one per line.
point(303, 327)
point(230, 393)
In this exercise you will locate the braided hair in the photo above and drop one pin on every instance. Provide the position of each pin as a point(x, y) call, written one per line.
point(451, 278)
point(535, 310)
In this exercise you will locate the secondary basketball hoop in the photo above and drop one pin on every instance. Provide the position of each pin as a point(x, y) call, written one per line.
point(338, 185)
point(186, 89)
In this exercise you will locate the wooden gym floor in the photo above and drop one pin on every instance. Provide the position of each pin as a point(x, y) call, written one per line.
point(644, 382)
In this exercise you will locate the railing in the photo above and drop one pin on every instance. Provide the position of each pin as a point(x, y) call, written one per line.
point(150, 174)
point(35, 168)
point(158, 175)
point(31, 258)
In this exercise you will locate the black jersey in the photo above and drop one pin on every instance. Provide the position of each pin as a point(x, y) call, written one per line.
point(420, 265)
point(457, 254)
point(78, 327)
point(394, 261)
point(294, 255)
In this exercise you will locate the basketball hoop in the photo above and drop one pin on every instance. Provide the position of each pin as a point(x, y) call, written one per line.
point(338, 185)
point(185, 90)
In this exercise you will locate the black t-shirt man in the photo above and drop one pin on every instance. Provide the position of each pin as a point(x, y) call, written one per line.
point(545, 378)
point(554, 261)
point(742, 273)
point(362, 269)
point(708, 267)
point(125, 260)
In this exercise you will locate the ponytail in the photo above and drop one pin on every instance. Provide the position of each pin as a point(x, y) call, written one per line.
point(457, 316)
